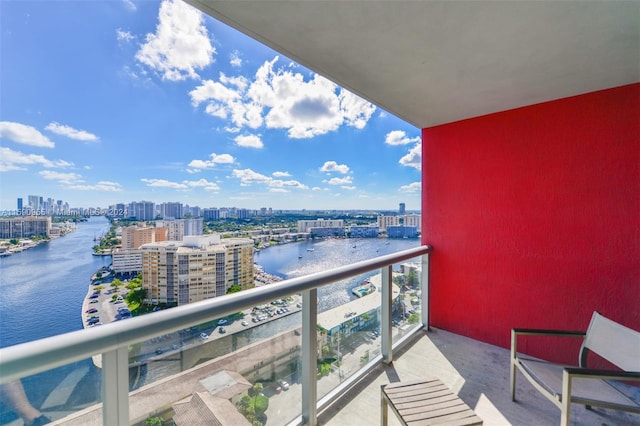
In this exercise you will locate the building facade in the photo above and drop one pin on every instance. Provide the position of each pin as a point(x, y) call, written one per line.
point(177, 229)
point(133, 237)
point(399, 220)
point(126, 261)
point(306, 225)
point(198, 268)
point(25, 227)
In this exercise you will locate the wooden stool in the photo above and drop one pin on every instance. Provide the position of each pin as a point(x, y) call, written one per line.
point(426, 402)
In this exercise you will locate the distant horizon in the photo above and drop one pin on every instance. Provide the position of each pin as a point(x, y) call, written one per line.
point(101, 104)
point(6, 211)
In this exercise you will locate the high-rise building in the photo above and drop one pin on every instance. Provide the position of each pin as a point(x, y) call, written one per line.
point(401, 209)
point(19, 206)
point(198, 268)
point(211, 214)
point(171, 210)
point(177, 229)
point(142, 210)
point(133, 237)
point(34, 202)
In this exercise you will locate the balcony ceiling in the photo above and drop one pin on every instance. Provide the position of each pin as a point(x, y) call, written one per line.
point(433, 62)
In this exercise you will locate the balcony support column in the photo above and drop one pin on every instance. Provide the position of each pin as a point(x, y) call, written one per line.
point(424, 291)
point(115, 387)
point(309, 356)
point(385, 311)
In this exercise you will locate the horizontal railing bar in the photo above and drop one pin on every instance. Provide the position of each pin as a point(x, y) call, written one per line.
point(45, 354)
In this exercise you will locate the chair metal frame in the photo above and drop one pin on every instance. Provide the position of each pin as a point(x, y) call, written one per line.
point(631, 359)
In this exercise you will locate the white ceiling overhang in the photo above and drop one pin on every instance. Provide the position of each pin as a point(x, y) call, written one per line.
point(434, 62)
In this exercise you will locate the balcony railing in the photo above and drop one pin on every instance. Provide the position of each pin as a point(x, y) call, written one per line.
point(113, 340)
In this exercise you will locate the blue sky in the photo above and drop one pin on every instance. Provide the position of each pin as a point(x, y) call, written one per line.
point(117, 101)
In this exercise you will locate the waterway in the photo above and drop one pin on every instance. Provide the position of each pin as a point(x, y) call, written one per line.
point(43, 289)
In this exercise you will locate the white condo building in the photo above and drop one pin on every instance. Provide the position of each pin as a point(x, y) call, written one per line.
point(399, 220)
point(306, 225)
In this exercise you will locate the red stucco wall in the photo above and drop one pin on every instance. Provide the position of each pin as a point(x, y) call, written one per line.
point(534, 217)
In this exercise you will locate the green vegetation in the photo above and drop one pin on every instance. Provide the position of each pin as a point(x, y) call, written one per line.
point(234, 289)
point(136, 296)
point(254, 405)
point(154, 421)
point(414, 318)
point(14, 241)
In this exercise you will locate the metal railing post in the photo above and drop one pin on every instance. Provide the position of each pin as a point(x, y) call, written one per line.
point(385, 310)
point(115, 387)
point(424, 291)
point(309, 356)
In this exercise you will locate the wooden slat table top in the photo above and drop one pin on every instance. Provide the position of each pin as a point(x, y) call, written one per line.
point(428, 402)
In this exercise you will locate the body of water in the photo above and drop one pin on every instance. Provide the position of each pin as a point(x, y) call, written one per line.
point(42, 291)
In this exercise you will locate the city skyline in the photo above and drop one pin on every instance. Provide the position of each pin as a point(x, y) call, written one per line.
point(102, 102)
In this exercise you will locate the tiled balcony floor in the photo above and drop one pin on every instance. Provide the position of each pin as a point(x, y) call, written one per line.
point(477, 372)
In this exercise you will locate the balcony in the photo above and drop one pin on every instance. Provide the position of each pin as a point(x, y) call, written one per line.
point(364, 353)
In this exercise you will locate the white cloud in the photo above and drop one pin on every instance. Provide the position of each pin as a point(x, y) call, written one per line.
point(340, 181)
point(197, 165)
point(399, 137)
point(130, 5)
point(249, 141)
point(68, 178)
point(413, 158)
point(122, 35)
point(356, 110)
point(26, 135)
point(348, 188)
point(281, 174)
point(236, 60)
point(278, 190)
point(412, 187)
point(70, 132)
point(248, 177)
point(180, 45)
point(163, 183)
point(282, 99)
point(332, 166)
point(213, 90)
point(16, 160)
point(184, 185)
point(105, 185)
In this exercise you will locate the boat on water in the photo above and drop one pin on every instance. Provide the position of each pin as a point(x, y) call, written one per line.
point(311, 249)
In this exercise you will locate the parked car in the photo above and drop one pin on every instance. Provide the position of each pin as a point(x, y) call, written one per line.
point(222, 330)
point(204, 336)
point(283, 384)
point(244, 323)
point(91, 311)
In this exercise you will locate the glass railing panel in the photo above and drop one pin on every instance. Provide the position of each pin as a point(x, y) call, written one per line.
point(348, 329)
point(54, 394)
point(407, 300)
point(248, 362)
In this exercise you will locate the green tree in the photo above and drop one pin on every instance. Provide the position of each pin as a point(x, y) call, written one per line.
point(414, 318)
point(116, 284)
point(154, 421)
point(14, 241)
point(136, 297)
point(234, 289)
